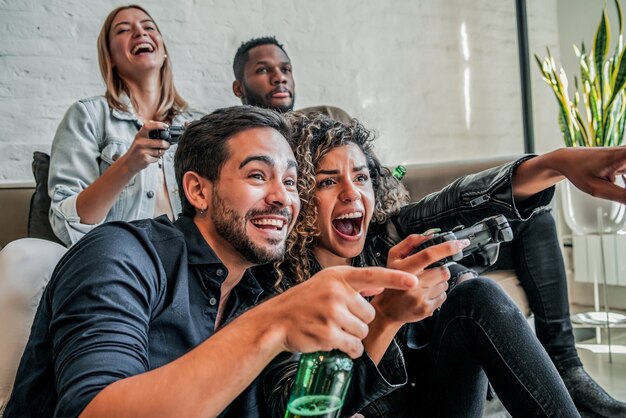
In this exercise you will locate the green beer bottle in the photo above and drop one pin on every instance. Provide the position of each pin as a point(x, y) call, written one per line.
point(399, 172)
point(321, 384)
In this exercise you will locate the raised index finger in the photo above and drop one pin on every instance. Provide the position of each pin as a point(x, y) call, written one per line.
point(374, 279)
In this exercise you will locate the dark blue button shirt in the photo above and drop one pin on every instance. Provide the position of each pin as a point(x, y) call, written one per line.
point(127, 298)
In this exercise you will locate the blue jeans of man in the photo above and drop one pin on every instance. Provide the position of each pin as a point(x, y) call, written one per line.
point(535, 255)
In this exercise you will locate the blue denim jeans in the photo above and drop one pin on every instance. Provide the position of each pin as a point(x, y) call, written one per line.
point(536, 256)
point(478, 334)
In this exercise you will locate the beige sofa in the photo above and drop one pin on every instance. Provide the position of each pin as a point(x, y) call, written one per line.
point(420, 180)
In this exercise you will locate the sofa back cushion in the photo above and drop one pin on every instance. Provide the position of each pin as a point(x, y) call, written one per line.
point(38, 220)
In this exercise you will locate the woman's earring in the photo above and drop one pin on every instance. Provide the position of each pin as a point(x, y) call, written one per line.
point(165, 56)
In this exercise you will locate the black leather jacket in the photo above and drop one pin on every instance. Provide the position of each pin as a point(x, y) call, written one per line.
point(465, 201)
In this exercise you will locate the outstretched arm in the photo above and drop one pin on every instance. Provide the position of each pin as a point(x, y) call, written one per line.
point(592, 170)
point(324, 313)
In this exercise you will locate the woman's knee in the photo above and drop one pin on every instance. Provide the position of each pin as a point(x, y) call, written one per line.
point(484, 294)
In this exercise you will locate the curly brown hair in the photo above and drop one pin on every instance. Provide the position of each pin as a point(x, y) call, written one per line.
point(313, 136)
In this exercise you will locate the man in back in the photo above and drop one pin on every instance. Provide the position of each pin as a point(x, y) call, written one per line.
point(263, 75)
point(153, 318)
point(264, 78)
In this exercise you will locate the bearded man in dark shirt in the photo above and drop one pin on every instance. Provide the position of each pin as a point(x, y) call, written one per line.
point(153, 318)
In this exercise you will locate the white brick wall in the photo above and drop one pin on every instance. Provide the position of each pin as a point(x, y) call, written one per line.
point(398, 65)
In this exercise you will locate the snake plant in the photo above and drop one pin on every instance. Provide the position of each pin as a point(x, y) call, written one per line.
point(602, 87)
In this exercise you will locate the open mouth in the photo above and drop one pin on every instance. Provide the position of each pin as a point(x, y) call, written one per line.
point(143, 48)
point(349, 224)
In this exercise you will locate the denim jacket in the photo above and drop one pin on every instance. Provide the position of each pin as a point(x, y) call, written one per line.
point(89, 139)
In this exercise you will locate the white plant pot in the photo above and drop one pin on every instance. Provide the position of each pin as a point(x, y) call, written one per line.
point(580, 211)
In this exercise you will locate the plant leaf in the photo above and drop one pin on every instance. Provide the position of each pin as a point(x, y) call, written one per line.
point(612, 126)
point(621, 123)
point(600, 49)
point(619, 80)
point(584, 140)
point(567, 136)
point(618, 6)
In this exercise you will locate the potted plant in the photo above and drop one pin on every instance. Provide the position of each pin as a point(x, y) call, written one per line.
point(602, 86)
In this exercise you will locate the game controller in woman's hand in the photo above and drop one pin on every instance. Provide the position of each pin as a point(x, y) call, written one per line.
point(484, 236)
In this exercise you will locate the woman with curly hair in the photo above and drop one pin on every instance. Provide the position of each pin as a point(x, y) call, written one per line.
point(433, 358)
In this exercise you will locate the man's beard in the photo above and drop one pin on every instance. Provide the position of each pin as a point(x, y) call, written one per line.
point(253, 99)
point(232, 227)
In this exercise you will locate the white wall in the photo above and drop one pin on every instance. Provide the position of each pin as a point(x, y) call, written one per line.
point(400, 66)
point(543, 25)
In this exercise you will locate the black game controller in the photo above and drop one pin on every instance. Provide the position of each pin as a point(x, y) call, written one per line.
point(170, 134)
point(485, 238)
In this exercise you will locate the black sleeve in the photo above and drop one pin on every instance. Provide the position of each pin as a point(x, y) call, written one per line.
point(101, 302)
point(470, 199)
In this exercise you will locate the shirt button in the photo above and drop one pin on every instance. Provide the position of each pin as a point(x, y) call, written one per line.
point(212, 301)
point(219, 272)
point(150, 194)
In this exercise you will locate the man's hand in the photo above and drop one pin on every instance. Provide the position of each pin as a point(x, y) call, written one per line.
point(328, 311)
point(593, 170)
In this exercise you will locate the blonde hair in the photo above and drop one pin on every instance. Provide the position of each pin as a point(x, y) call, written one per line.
point(314, 136)
point(170, 102)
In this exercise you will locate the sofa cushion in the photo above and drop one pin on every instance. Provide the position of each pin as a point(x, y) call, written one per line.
point(38, 220)
point(332, 112)
point(26, 265)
